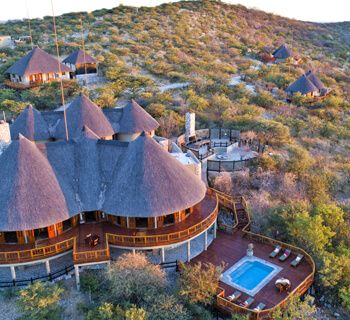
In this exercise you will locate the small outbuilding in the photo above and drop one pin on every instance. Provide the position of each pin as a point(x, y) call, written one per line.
point(80, 62)
point(35, 68)
point(308, 84)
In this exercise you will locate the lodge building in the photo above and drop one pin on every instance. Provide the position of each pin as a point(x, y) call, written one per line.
point(112, 179)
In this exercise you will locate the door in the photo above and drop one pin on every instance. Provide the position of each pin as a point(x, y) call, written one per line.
point(51, 231)
point(20, 237)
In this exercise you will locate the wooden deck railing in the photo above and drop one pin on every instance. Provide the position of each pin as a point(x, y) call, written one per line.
point(19, 256)
point(299, 290)
point(228, 202)
point(163, 239)
point(90, 255)
point(8, 257)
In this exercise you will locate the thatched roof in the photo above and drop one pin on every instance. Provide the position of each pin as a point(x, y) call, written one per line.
point(31, 124)
point(78, 57)
point(83, 112)
point(36, 61)
point(149, 182)
point(135, 119)
point(315, 80)
point(47, 183)
point(30, 194)
point(283, 52)
point(302, 85)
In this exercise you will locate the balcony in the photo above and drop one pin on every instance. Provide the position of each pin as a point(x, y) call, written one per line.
point(204, 214)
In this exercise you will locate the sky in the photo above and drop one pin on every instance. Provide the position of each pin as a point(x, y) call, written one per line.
point(308, 10)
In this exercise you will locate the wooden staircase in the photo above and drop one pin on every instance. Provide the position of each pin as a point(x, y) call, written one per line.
point(242, 214)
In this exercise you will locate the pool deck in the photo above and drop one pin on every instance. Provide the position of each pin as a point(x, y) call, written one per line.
point(230, 248)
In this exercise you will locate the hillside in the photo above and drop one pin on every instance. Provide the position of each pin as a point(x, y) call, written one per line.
point(301, 192)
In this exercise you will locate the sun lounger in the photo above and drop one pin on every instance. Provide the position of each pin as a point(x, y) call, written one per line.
point(234, 296)
point(297, 260)
point(260, 306)
point(275, 252)
point(248, 302)
point(285, 255)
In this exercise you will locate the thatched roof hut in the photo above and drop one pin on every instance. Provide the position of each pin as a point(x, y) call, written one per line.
point(136, 120)
point(307, 83)
point(149, 182)
point(30, 194)
point(302, 85)
point(36, 61)
point(282, 52)
point(83, 112)
point(31, 124)
point(79, 57)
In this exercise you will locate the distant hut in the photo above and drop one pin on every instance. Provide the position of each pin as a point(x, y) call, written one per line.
point(308, 84)
point(81, 62)
point(282, 53)
point(35, 68)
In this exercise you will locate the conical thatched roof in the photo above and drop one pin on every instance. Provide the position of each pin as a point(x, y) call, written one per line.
point(36, 61)
point(315, 80)
point(302, 85)
point(135, 119)
point(78, 57)
point(149, 182)
point(283, 52)
point(83, 112)
point(30, 194)
point(31, 124)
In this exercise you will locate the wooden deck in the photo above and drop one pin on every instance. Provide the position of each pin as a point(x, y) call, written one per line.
point(203, 215)
point(230, 249)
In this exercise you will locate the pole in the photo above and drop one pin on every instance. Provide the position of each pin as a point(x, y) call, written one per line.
point(59, 70)
point(29, 26)
point(83, 46)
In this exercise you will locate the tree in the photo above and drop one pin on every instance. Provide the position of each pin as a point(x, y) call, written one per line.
point(40, 300)
point(167, 307)
point(133, 279)
point(296, 310)
point(156, 110)
point(199, 283)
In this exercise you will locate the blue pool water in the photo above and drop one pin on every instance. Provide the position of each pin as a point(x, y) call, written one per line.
point(250, 273)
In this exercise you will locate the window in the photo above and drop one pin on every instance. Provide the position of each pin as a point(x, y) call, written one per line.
point(141, 223)
point(67, 224)
point(169, 219)
point(41, 233)
point(11, 237)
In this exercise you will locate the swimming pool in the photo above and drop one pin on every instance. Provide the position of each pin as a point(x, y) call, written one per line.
point(250, 274)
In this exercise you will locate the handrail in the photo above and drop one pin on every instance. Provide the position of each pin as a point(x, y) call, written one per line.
point(30, 254)
point(91, 255)
point(221, 300)
point(163, 239)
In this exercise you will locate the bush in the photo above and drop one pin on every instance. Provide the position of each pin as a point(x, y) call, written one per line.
point(133, 279)
point(199, 283)
point(40, 301)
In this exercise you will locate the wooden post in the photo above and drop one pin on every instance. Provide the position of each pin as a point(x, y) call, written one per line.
point(162, 255)
point(13, 273)
point(206, 240)
point(77, 276)
point(188, 250)
point(47, 266)
point(215, 228)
